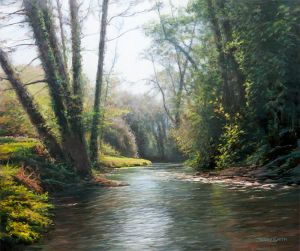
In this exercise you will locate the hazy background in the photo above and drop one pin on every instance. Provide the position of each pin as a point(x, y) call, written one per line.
point(130, 66)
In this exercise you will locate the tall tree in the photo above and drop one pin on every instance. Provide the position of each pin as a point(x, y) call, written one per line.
point(228, 96)
point(94, 139)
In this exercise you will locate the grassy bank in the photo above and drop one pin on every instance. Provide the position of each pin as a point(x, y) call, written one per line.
point(118, 162)
point(18, 149)
point(25, 175)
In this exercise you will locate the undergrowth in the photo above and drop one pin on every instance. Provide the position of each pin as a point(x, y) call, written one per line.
point(24, 214)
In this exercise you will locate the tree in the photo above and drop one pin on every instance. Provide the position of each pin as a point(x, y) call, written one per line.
point(170, 33)
point(94, 139)
point(241, 102)
point(67, 103)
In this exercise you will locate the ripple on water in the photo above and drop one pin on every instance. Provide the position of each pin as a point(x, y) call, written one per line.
point(160, 211)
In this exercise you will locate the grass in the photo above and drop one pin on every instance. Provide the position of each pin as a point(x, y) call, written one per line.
point(118, 162)
point(11, 149)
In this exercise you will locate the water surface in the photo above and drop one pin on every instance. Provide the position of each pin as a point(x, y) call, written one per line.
point(160, 212)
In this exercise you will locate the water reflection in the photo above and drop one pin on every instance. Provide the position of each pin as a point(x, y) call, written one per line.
point(159, 212)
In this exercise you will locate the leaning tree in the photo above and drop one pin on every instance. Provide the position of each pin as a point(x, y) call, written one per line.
point(65, 88)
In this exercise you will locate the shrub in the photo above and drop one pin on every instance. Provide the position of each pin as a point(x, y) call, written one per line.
point(121, 138)
point(107, 149)
point(24, 215)
point(230, 148)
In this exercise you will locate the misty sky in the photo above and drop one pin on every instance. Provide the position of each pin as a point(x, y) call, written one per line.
point(130, 66)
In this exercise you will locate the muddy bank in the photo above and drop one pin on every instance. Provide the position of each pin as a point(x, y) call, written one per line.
point(249, 176)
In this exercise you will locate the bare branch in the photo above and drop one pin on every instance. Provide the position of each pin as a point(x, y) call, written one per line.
point(20, 45)
point(11, 24)
point(123, 33)
point(36, 82)
point(9, 4)
point(173, 42)
point(18, 12)
point(27, 84)
point(120, 14)
point(113, 63)
point(156, 81)
point(124, 15)
point(3, 78)
point(29, 64)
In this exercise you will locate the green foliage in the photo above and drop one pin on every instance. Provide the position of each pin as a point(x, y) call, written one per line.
point(230, 149)
point(13, 120)
point(107, 149)
point(24, 215)
point(56, 177)
point(120, 136)
point(258, 154)
point(149, 125)
point(259, 43)
point(267, 40)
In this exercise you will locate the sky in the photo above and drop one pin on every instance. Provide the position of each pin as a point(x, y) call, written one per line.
point(130, 66)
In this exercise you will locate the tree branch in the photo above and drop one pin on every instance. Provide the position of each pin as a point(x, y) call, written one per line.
point(174, 43)
point(156, 81)
point(120, 35)
point(11, 24)
point(27, 84)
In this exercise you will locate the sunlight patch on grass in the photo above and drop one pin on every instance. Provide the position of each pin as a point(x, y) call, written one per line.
point(117, 162)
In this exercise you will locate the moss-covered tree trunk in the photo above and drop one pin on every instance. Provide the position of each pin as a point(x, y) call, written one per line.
point(77, 128)
point(94, 139)
point(235, 73)
point(227, 97)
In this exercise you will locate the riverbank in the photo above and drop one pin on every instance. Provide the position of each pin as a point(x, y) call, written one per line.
point(27, 177)
point(249, 176)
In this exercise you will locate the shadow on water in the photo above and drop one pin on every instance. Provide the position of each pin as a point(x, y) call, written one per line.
point(159, 212)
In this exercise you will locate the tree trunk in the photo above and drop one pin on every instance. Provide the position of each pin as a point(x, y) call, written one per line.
point(161, 139)
point(237, 76)
point(227, 92)
point(62, 33)
point(178, 103)
point(77, 140)
point(94, 140)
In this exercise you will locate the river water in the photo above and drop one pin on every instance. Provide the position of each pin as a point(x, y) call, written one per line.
point(158, 211)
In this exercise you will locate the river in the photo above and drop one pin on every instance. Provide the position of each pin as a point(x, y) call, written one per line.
point(158, 211)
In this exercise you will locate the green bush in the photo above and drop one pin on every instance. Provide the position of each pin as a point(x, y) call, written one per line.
point(231, 147)
point(24, 215)
point(107, 149)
